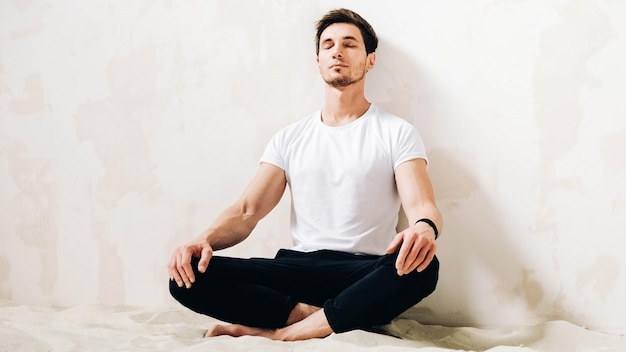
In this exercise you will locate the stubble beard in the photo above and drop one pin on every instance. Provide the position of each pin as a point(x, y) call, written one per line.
point(344, 81)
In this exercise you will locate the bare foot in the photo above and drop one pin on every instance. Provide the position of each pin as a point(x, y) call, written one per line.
point(237, 330)
point(312, 326)
point(301, 311)
point(219, 330)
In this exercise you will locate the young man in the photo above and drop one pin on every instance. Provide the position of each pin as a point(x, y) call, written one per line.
point(349, 166)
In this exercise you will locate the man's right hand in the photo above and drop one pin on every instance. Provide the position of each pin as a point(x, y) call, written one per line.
point(180, 265)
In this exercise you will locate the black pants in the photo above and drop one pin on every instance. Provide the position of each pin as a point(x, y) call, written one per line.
point(356, 291)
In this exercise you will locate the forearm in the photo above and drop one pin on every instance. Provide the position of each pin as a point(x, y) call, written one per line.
point(230, 228)
point(430, 212)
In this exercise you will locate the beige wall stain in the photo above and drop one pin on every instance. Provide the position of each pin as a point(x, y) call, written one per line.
point(601, 276)
point(32, 100)
point(34, 208)
point(560, 70)
point(253, 56)
point(119, 126)
point(264, 70)
point(111, 269)
point(558, 304)
point(528, 289)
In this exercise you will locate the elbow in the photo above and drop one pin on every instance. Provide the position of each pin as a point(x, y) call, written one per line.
point(250, 214)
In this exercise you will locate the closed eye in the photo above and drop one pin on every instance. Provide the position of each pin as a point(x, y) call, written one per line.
point(327, 44)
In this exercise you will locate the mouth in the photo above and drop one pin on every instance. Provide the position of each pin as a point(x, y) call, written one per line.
point(338, 66)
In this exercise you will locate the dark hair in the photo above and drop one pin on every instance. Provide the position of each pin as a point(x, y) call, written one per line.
point(347, 16)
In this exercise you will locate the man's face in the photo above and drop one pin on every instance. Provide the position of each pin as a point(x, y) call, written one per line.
point(342, 57)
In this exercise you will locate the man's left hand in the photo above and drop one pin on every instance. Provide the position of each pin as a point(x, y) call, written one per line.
point(417, 249)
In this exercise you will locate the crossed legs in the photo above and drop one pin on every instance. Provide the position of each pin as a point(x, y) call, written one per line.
point(282, 298)
point(305, 322)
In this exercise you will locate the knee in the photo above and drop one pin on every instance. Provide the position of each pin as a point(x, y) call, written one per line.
point(175, 291)
point(429, 274)
point(424, 281)
point(182, 293)
point(427, 279)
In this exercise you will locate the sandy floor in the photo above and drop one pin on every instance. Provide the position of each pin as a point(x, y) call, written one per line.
point(123, 328)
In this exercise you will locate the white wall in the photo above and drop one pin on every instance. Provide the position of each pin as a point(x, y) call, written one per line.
point(126, 126)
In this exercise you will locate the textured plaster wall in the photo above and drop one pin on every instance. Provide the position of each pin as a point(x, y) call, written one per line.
point(126, 126)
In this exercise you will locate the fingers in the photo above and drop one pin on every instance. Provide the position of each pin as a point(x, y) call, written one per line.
point(409, 257)
point(419, 252)
point(177, 270)
point(401, 261)
point(416, 253)
point(173, 270)
point(429, 258)
point(185, 269)
point(206, 255)
point(180, 268)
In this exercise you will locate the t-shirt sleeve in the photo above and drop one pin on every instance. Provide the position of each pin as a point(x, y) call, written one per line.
point(274, 153)
point(408, 146)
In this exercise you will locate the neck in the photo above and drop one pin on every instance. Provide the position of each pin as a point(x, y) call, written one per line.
point(344, 105)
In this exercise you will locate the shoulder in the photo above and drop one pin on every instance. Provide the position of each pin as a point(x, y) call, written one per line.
point(296, 129)
point(284, 140)
point(389, 122)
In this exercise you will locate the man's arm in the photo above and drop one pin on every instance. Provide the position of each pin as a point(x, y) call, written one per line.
point(232, 226)
point(417, 242)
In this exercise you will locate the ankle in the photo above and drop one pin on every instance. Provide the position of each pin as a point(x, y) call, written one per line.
point(300, 312)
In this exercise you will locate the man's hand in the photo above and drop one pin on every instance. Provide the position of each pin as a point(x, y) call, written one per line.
point(417, 249)
point(180, 265)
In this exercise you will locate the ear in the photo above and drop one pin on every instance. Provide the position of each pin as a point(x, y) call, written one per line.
point(371, 61)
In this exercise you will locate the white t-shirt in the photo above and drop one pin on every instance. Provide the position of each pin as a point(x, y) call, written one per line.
point(343, 190)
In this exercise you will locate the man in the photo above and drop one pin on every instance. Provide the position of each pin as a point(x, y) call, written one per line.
point(349, 166)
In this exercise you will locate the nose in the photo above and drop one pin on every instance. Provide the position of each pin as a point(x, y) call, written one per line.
point(336, 52)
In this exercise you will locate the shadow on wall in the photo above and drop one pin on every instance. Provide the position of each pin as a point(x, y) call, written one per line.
point(474, 251)
point(477, 259)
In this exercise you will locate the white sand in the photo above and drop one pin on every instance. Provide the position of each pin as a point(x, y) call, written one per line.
point(123, 328)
